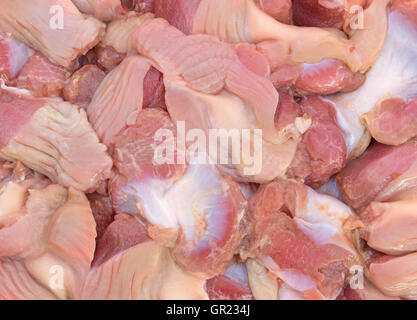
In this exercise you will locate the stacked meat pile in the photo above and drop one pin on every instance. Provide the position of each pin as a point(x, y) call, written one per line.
point(321, 205)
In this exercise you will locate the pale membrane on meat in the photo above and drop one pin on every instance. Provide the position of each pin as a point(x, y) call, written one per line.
point(29, 22)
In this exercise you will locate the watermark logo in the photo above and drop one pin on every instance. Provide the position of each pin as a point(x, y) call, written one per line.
point(357, 19)
point(357, 278)
point(225, 147)
point(56, 281)
point(56, 22)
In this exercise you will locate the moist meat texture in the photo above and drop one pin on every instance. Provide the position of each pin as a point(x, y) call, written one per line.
point(208, 149)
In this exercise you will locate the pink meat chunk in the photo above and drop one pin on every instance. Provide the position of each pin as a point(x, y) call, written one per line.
point(393, 121)
point(379, 174)
point(41, 77)
point(53, 138)
point(81, 86)
point(328, 77)
point(322, 152)
point(290, 238)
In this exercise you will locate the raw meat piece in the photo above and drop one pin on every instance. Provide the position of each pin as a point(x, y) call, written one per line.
point(53, 138)
point(153, 89)
point(227, 93)
point(13, 56)
point(390, 227)
point(394, 75)
point(121, 234)
point(193, 209)
point(32, 23)
point(281, 10)
point(80, 88)
point(233, 285)
point(41, 77)
point(381, 173)
point(328, 77)
point(302, 238)
point(131, 266)
point(119, 98)
point(394, 276)
point(242, 21)
point(393, 121)
point(322, 151)
point(50, 233)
